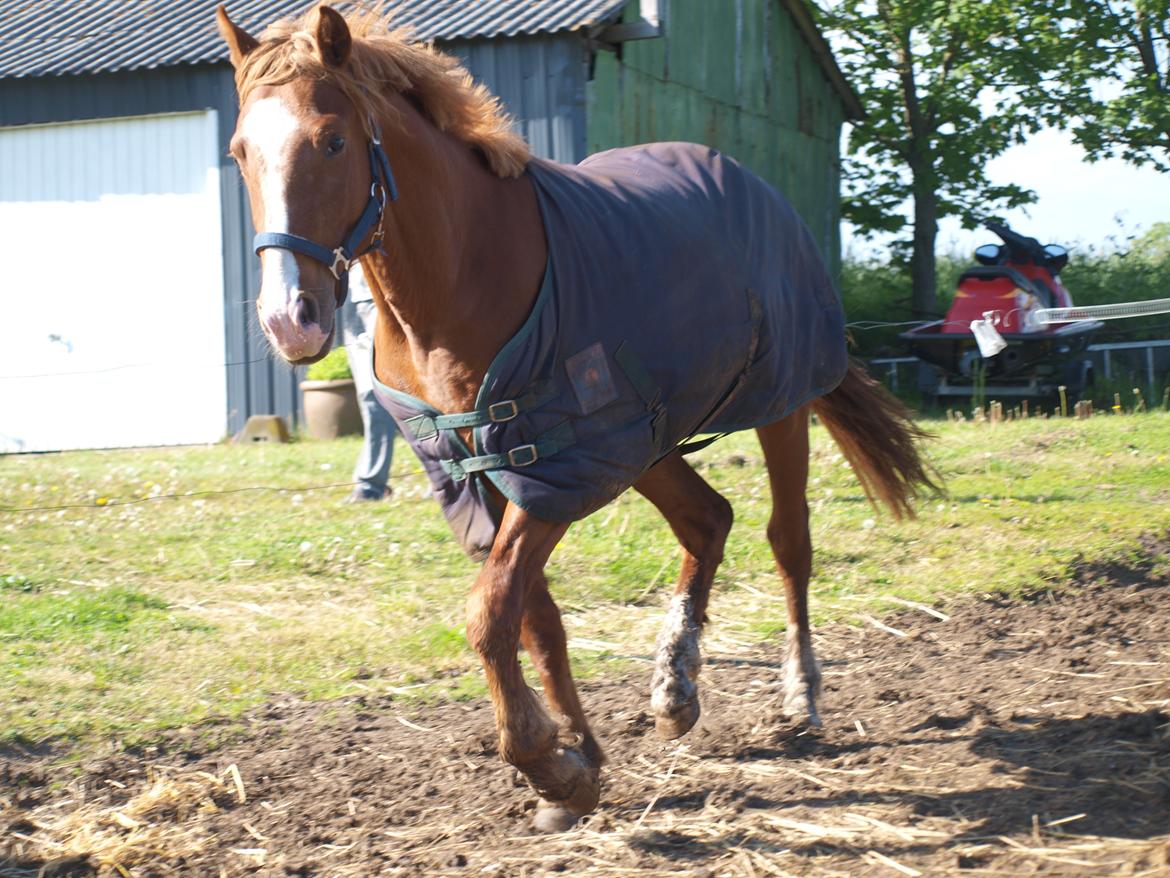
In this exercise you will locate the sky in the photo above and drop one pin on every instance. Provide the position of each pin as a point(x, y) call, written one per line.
point(1079, 202)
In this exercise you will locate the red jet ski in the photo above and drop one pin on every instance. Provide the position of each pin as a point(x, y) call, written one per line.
point(1012, 281)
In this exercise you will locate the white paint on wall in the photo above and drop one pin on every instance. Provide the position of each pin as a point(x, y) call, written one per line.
point(112, 287)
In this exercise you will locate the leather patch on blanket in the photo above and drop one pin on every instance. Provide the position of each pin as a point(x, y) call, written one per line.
point(590, 377)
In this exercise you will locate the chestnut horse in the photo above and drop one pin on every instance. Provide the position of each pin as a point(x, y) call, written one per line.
point(452, 241)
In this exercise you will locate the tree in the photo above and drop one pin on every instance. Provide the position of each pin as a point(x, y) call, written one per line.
point(1113, 87)
point(944, 86)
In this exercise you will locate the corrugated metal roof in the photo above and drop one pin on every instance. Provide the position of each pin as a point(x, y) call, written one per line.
point(54, 37)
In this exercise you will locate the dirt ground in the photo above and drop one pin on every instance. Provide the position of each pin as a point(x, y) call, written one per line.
point(1008, 738)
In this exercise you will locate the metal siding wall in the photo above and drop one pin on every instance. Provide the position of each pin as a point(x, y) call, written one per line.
point(737, 76)
point(257, 382)
point(541, 81)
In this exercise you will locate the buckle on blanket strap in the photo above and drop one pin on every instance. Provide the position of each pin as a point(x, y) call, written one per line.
point(426, 426)
point(523, 455)
point(549, 443)
point(499, 412)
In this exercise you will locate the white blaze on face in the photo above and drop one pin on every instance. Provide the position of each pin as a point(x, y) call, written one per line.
point(269, 127)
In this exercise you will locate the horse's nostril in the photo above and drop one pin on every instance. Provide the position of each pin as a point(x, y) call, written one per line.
point(306, 312)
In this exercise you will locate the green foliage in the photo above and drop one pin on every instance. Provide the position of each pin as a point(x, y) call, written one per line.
point(948, 87)
point(942, 87)
point(1124, 271)
point(1111, 85)
point(334, 366)
point(922, 73)
point(877, 291)
point(1132, 270)
point(1126, 378)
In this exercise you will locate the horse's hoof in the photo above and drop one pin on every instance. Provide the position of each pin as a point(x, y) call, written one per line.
point(585, 795)
point(566, 778)
point(553, 817)
point(801, 707)
point(679, 721)
point(560, 816)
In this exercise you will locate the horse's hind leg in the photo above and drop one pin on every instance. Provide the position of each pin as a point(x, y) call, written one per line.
point(543, 636)
point(701, 519)
point(785, 445)
point(529, 738)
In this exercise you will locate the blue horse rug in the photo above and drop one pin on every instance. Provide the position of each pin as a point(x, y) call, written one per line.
point(683, 295)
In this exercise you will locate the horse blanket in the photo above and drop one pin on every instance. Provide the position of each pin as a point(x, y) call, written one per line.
point(683, 295)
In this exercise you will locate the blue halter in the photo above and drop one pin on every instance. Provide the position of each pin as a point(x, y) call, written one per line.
point(339, 259)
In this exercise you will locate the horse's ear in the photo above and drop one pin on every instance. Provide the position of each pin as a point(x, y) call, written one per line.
point(239, 41)
point(333, 39)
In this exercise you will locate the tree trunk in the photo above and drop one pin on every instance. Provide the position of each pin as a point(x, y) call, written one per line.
point(923, 298)
point(924, 301)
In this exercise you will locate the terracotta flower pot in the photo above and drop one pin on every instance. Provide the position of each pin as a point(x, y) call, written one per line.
point(331, 408)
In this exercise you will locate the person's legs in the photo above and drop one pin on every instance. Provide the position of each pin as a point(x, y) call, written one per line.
point(372, 468)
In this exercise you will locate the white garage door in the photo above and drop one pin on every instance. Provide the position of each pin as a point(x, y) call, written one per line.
point(111, 292)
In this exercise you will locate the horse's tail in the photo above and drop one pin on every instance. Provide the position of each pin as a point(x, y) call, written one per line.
point(879, 439)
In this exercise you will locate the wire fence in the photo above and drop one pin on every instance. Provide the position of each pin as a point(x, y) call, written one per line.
point(889, 363)
point(108, 503)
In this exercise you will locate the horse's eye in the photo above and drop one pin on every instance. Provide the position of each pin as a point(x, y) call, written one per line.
point(334, 146)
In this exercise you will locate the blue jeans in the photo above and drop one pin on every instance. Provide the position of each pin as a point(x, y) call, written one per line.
point(373, 464)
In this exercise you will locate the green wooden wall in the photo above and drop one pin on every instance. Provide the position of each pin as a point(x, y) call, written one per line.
point(736, 75)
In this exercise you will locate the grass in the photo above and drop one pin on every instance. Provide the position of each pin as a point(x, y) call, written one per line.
point(123, 620)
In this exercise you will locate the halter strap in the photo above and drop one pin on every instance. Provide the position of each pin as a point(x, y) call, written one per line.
point(345, 254)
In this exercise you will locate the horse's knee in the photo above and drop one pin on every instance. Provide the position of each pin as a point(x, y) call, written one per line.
point(486, 632)
point(494, 611)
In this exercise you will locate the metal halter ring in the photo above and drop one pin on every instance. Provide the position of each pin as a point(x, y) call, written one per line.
point(378, 191)
point(339, 256)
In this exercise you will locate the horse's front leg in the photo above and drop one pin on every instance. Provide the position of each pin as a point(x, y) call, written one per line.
point(543, 638)
point(564, 777)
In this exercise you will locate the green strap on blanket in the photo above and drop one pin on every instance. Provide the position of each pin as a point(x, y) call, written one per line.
point(645, 386)
point(549, 443)
point(425, 426)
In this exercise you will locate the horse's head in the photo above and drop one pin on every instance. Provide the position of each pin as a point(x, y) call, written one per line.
point(313, 94)
point(302, 148)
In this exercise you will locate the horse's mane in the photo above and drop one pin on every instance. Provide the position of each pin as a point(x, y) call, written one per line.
point(384, 59)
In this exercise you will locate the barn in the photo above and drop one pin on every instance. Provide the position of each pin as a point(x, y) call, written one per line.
point(129, 274)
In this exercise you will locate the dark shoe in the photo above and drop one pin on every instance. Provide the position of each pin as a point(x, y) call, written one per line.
point(363, 493)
